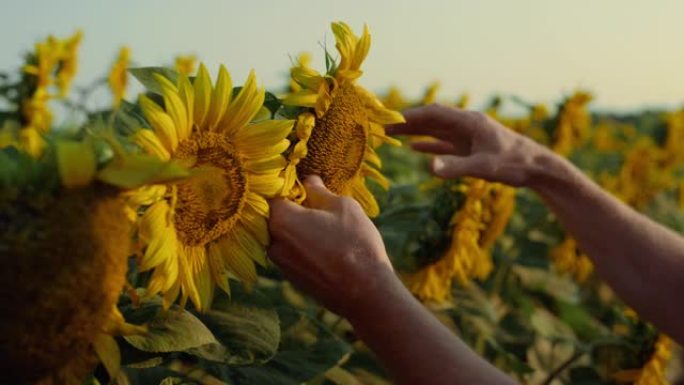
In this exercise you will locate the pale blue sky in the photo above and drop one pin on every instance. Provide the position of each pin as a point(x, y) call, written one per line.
point(628, 52)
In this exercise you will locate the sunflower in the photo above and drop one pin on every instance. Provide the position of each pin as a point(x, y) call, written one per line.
point(185, 64)
point(341, 125)
point(200, 230)
point(653, 371)
point(66, 246)
point(118, 76)
point(475, 227)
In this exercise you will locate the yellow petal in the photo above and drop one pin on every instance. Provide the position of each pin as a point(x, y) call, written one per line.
point(249, 245)
point(76, 163)
point(174, 106)
point(258, 203)
point(220, 98)
point(266, 165)
point(203, 92)
point(266, 133)
point(145, 195)
point(361, 49)
point(150, 143)
point(307, 77)
point(268, 185)
point(187, 96)
point(107, 350)
point(244, 107)
point(205, 288)
point(161, 122)
point(218, 267)
point(256, 224)
point(345, 43)
point(254, 152)
point(186, 277)
point(171, 295)
point(365, 198)
point(159, 234)
point(372, 157)
point(303, 98)
point(236, 260)
point(375, 175)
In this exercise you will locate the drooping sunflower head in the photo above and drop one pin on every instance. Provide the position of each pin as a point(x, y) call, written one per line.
point(66, 239)
point(212, 225)
point(340, 126)
point(64, 261)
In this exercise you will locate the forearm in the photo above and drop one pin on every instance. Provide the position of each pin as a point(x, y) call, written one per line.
point(413, 345)
point(642, 260)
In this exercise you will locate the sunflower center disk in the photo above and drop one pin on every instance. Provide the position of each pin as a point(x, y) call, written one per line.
point(209, 202)
point(337, 144)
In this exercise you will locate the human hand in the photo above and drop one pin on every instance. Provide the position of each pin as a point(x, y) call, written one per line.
point(329, 249)
point(470, 143)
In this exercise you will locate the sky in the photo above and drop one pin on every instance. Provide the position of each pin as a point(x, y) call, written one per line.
point(627, 52)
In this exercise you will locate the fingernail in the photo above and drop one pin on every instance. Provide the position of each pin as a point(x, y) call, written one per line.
point(438, 164)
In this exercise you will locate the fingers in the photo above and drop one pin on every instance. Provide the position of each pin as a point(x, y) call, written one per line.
point(438, 147)
point(435, 120)
point(317, 195)
point(278, 253)
point(283, 213)
point(451, 166)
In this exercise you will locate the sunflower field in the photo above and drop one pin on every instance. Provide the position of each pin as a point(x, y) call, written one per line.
point(133, 236)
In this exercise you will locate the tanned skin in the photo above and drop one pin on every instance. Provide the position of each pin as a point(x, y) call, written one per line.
point(331, 250)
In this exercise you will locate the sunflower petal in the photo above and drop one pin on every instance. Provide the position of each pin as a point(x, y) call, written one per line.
point(187, 96)
point(303, 98)
point(244, 107)
point(161, 122)
point(250, 245)
point(220, 98)
point(256, 224)
point(187, 281)
point(150, 143)
point(237, 261)
point(174, 106)
point(375, 175)
point(218, 268)
point(253, 152)
point(205, 287)
point(360, 192)
point(307, 77)
point(202, 88)
point(258, 203)
point(108, 352)
point(268, 185)
point(266, 133)
point(266, 165)
point(159, 234)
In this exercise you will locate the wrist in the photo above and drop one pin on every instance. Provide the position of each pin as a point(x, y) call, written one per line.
point(381, 291)
point(550, 172)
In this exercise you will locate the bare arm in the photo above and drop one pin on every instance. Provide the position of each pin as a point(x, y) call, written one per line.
point(642, 260)
point(332, 251)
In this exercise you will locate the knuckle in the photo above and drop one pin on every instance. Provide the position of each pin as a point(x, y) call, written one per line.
point(478, 118)
point(347, 204)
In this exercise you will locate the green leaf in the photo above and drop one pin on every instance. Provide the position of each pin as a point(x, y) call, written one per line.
point(246, 335)
point(172, 331)
point(580, 320)
point(585, 375)
point(145, 75)
point(272, 103)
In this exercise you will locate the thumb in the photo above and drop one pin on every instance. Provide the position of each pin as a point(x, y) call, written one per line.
point(452, 166)
point(317, 195)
